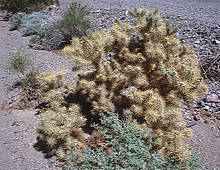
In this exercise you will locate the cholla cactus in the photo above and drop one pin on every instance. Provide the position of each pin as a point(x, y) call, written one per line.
point(140, 70)
point(59, 127)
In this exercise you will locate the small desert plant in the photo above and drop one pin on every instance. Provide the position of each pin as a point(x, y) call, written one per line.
point(31, 24)
point(28, 24)
point(30, 90)
point(30, 79)
point(124, 147)
point(26, 5)
point(15, 21)
point(74, 19)
point(55, 35)
point(50, 37)
point(19, 62)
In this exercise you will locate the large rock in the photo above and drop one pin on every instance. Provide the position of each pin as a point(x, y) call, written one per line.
point(212, 98)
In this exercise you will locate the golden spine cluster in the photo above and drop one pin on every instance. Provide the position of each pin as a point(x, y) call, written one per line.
point(140, 70)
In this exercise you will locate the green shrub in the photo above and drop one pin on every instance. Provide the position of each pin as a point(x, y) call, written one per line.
point(32, 23)
point(28, 24)
point(74, 20)
point(25, 5)
point(50, 37)
point(125, 148)
point(15, 21)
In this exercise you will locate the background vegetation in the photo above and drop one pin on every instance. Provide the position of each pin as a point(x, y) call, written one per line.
point(26, 5)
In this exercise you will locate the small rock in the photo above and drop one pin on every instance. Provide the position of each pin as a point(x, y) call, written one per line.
point(202, 103)
point(190, 124)
point(3, 129)
point(196, 110)
point(215, 109)
point(218, 117)
point(187, 117)
point(206, 120)
point(213, 105)
point(15, 124)
point(196, 46)
point(210, 110)
point(123, 18)
point(187, 111)
point(195, 106)
point(209, 114)
point(212, 98)
point(197, 42)
point(197, 117)
point(216, 42)
point(97, 11)
point(206, 108)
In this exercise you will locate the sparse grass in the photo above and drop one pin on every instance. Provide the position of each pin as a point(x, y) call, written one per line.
point(18, 62)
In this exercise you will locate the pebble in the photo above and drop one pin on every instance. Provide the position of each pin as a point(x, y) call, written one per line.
point(197, 110)
point(195, 106)
point(210, 110)
point(202, 103)
point(213, 105)
point(218, 117)
point(190, 124)
point(187, 111)
point(123, 17)
point(187, 117)
point(97, 11)
point(3, 129)
point(197, 42)
point(197, 117)
point(216, 42)
point(206, 108)
point(215, 109)
point(207, 120)
point(208, 114)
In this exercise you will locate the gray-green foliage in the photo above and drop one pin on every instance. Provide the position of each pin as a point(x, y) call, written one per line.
point(30, 24)
point(15, 21)
point(126, 149)
point(49, 37)
point(74, 19)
